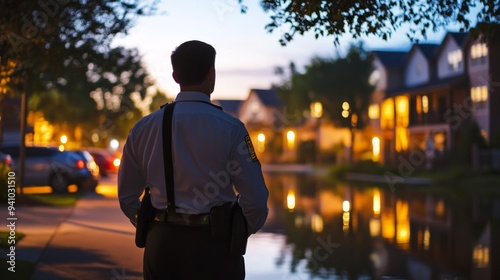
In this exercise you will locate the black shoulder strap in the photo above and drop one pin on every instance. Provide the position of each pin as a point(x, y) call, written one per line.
point(167, 156)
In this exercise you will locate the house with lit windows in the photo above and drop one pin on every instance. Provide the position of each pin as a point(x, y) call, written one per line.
point(263, 115)
point(423, 96)
point(484, 76)
point(386, 77)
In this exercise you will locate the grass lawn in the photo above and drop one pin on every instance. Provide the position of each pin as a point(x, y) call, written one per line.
point(49, 199)
point(455, 178)
point(4, 236)
point(23, 270)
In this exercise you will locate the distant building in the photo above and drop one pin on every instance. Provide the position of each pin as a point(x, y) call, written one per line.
point(230, 106)
point(263, 114)
point(423, 97)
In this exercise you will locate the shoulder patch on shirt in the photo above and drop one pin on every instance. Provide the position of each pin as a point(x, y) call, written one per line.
point(251, 150)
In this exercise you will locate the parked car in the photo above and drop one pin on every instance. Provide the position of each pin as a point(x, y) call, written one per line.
point(49, 166)
point(92, 166)
point(106, 160)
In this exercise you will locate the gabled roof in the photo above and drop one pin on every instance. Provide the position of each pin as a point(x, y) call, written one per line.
point(269, 97)
point(391, 59)
point(429, 50)
point(460, 37)
point(230, 106)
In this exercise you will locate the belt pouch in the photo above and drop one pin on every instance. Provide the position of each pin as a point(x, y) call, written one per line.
point(239, 232)
point(220, 221)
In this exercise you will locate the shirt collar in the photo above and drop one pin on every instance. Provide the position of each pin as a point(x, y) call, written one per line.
point(192, 96)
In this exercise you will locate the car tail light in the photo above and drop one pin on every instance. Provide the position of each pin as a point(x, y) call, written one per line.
point(80, 164)
point(116, 162)
point(8, 160)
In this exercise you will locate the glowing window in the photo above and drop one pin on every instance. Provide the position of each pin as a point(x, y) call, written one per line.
point(387, 114)
point(479, 50)
point(454, 59)
point(479, 96)
point(425, 104)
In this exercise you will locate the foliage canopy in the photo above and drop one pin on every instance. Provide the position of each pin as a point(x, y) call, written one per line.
point(377, 17)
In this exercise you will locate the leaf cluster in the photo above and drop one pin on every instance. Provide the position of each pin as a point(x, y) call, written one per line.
point(331, 81)
point(58, 51)
point(374, 17)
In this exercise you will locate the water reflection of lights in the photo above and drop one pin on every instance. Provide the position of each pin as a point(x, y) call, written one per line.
point(299, 221)
point(481, 256)
point(376, 202)
point(346, 218)
point(403, 223)
point(290, 200)
point(316, 223)
point(374, 227)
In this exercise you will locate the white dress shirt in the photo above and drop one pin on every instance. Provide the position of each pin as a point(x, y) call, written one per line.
point(211, 152)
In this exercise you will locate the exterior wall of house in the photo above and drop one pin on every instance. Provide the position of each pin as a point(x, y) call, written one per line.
point(451, 59)
point(253, 111)
point(378, 95)
point(417, 70)
point(479, 76)
point(395, 79)
point(381, 80)
point(494, 93)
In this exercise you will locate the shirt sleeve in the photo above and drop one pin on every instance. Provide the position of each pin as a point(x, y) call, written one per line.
point(131, 182)
point(248, 180)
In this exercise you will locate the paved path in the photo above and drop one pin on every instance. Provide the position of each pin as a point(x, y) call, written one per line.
point(92, 240)
point(95, 242)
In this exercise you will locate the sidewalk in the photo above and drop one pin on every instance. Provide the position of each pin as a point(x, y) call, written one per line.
point(93, 240)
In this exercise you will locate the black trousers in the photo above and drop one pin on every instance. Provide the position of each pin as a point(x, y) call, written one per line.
point(188, 253)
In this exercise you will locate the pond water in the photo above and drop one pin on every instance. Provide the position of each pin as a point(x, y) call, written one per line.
point(323, 230)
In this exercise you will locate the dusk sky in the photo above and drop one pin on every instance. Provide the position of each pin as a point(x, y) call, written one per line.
point(246, 53)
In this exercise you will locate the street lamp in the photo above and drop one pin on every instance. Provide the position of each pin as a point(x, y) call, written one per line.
point(64, 140)
point(345, 110)
point(261, 142)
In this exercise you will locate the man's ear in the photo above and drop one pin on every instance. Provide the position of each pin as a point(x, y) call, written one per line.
point(211, 74)
point(175, 77)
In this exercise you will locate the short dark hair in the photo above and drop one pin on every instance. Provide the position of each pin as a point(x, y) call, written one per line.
point(191, 62)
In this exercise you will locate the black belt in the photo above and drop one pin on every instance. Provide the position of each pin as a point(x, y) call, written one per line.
point(182, 219)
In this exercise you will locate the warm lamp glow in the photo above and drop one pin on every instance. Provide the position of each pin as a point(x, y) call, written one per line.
point(261, 142)
point(376, 148)
point(64, 139)
point(290, 200)
point(345, 106)
point(290, 138)
point(376, 202)
point(317, 223)
point(374, 111)
point(261, 137)
point(346, 206)
point(316, 110)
